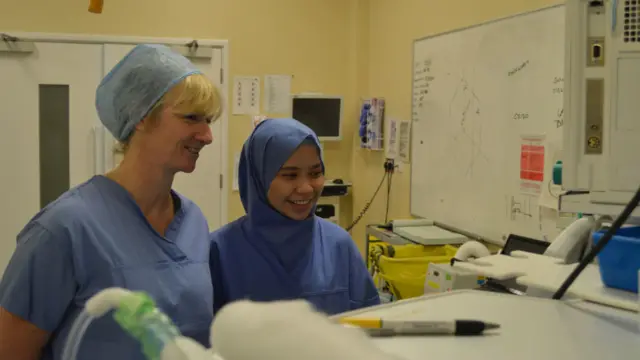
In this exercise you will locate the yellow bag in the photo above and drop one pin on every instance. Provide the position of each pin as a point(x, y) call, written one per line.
point(404, 268)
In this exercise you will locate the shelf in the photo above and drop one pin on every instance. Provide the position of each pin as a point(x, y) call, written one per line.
point(582, 203)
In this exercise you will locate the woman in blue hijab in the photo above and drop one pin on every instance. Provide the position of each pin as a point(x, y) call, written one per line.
point(280, 249)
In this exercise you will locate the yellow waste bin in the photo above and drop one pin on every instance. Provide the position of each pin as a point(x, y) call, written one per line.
point(402, 269)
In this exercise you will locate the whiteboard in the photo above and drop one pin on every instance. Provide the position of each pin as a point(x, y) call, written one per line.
point(488, 103)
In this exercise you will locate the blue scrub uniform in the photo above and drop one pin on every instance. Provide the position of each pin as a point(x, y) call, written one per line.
point(267, 256)
point(94, 237)
point(330, 274)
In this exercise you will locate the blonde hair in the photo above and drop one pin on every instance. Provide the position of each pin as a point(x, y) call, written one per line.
point(195, 94)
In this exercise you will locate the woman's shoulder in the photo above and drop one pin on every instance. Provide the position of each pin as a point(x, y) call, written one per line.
point(61, 217)
point(333, 231)
point(230, 230)
point(70, 207)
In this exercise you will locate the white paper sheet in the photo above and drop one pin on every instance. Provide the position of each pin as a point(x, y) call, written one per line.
point(277, 90)
point(549, 197)
point(246, 95)
point(398, 139)
point(391, 140)
point(404, 141)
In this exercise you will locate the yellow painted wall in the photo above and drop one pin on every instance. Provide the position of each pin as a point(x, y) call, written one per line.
point(354, 48)
point(393, 26)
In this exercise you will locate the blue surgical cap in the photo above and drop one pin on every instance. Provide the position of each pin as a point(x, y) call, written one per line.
point(136, 84)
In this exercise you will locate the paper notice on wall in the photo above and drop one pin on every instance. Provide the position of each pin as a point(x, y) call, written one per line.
point(531, 164)
point(277, 89)
point(397, 139)
point(404, 140)
point(246, 95)
point(391, 146)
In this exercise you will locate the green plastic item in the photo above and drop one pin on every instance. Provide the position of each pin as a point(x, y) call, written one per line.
point(139, 316)
point(557, 173)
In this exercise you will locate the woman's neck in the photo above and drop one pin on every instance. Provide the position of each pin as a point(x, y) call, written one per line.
point(148, 184)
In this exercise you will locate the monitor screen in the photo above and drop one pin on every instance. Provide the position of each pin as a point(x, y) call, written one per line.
point(517, 242)
point(321, 114)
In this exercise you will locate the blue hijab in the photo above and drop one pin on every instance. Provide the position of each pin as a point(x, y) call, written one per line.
point(266, 256)
point(270, 145)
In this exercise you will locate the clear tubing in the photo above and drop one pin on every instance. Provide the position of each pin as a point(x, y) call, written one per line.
point(74, 338)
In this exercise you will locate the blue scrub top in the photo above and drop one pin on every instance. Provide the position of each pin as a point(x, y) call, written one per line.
point(95, 237)
point(331, 274)
point(267, 256)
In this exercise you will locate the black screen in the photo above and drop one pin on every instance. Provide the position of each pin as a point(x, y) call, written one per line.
point(322, 115)
point(516, 242)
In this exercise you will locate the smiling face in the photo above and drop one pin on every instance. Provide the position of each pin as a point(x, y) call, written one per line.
point(298, 184)
point(177, 139)
point(178, 127)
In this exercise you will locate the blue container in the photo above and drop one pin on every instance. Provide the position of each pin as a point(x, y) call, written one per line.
point(620, 259)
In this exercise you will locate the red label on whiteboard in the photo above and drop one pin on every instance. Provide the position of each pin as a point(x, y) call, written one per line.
point(532, 162)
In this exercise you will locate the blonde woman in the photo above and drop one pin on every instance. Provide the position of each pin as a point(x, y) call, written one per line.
point(127, 228)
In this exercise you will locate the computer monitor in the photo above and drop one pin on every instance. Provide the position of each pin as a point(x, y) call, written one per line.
point(323, 114)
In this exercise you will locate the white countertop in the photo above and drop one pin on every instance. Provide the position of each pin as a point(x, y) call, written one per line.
point(531, 328)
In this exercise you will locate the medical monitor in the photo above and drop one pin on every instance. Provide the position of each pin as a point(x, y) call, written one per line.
point(323, 114)
point(601, 126)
